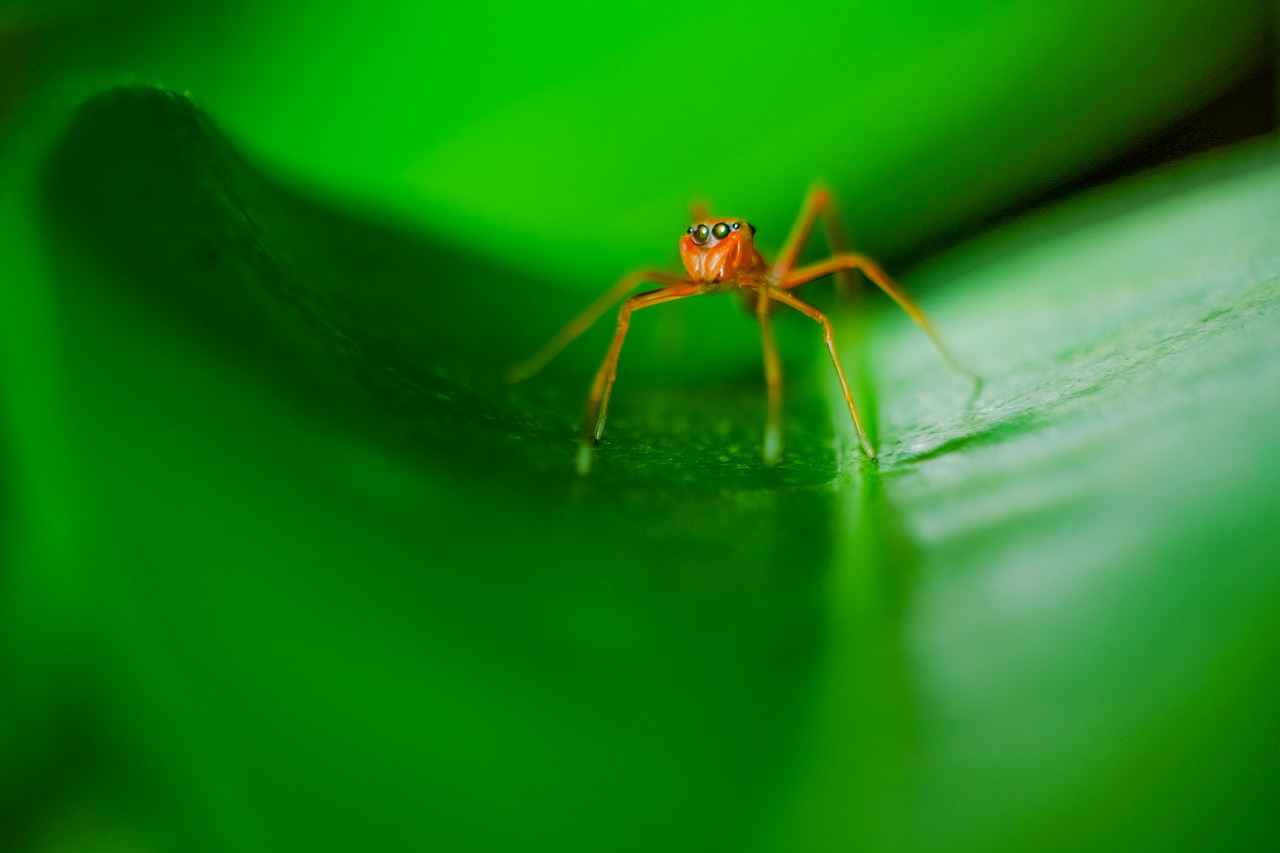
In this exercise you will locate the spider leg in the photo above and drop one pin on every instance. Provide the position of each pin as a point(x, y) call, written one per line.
point(828, 336)
point(817, 203)
point(869, 268)
point(839, 243)
point(602, 385)
point(584, 320)
point(773, 383)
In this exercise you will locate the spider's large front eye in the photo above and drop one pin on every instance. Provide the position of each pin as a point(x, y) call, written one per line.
point(721, 230)
point(701, 234)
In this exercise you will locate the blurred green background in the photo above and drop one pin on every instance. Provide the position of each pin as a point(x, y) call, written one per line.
point(287, 566)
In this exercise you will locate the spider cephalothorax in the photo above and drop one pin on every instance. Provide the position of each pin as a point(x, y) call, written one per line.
point(717, 249)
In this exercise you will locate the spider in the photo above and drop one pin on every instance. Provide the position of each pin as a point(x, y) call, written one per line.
point(720, 256)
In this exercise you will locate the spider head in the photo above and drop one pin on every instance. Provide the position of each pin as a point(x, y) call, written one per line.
point(714, 250)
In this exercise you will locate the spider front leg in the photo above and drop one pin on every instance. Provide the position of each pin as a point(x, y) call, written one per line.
point(828, 335)
point(602, 385)
point(819, 204)
point(869, 268)
point(584, 320)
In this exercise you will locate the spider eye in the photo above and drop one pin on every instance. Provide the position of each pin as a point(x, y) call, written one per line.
point(753, 229)
point(720, 230)
point(737, 226)
point(701, 234)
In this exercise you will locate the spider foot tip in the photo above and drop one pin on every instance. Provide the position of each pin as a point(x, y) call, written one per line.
point(582, 462)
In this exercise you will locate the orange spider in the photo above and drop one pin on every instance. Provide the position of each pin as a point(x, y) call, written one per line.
point(720, 256)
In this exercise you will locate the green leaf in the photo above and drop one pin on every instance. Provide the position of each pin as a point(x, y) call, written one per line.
point(339, 587)
point(1058, 623)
